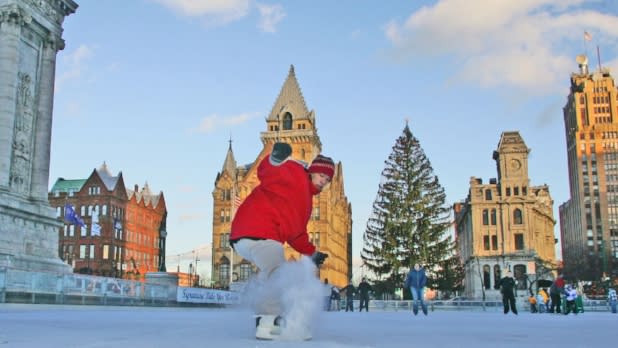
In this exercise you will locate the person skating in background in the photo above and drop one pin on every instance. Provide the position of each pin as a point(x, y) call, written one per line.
point(555, 293)
point(276, 212)
point(507, 287)
point(363, 290)
point(541, 300)
point(612, 299)
point(416, 281)
point(350, 291)
point(335, 296)
point(571, 296)
point(533, 303)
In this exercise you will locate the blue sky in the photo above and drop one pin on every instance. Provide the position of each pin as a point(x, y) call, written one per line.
point(156, 88)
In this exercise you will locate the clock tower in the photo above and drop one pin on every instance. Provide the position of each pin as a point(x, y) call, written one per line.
point(512, 161)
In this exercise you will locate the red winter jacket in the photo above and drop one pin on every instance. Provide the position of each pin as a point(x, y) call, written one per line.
point(279, 207)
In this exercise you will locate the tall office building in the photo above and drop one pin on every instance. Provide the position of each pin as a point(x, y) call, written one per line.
point(330, 225)
point(589, 219)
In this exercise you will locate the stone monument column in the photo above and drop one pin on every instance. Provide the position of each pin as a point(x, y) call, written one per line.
point(30, 37)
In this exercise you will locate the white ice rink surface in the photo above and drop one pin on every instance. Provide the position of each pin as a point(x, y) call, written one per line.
point(135, 327)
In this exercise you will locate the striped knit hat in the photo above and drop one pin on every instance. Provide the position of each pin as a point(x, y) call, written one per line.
point(324, 165)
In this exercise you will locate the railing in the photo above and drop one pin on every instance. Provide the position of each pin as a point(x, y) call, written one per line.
point(461, 305)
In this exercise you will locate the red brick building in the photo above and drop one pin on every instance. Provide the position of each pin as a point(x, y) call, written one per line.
point(124, 230)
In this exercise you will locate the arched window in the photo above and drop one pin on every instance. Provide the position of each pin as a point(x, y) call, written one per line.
point(497, 276)
point(486, 276)
point(519, 273)
point(488, 195)
point(287, 121)
point(517, 217)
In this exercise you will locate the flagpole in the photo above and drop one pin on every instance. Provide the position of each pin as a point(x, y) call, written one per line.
point(599, 57)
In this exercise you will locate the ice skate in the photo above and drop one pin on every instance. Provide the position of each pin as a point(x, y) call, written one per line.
point(268, 327)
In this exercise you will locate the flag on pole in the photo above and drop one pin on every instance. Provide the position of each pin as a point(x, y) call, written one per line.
point(587, 36)
point(71, 216)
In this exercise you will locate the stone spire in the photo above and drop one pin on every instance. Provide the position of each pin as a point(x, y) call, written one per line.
point(229, 165)
point(290, 100)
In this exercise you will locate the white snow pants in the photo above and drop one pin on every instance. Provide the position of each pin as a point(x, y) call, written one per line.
point(267, 255)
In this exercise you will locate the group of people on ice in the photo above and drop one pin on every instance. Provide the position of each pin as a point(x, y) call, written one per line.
point(350, 291)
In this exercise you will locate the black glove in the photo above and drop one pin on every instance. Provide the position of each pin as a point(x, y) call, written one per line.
point(280, 152)
point(318, 258)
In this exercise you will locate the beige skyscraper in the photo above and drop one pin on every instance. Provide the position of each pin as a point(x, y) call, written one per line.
point(589, 219)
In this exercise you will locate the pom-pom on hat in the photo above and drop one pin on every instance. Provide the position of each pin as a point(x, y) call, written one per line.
point(324, 165)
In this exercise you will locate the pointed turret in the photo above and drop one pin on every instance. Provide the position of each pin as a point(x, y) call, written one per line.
point(229, 165)
point(290, 100)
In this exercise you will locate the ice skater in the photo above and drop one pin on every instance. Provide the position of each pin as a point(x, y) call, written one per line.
point(276, 212)
point(416, 281)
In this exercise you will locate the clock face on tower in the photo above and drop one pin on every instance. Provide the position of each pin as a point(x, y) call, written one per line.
point(515, 164)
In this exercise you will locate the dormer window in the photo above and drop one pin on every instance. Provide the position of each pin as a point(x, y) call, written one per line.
point(287, 121)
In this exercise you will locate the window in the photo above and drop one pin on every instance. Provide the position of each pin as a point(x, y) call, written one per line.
point(516, 191)
point(520, 276)
point(493, 217)
point(485, 217)
point(497, 276)
point(91, 254)
point(222, 217)
point(287, 121)
point(508, 191)
point(486, 242)
point(245, 271)
point(224, 241)
point(486, 277)
point(519, 241)
point(316, 213)
point(494, 242)
point(105, 251)
point(82, 251)
point(224, 273)
point(488, 195)
point(316, 239)
point(517, 217)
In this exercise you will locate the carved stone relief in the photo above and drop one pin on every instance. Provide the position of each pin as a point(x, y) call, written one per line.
point(22, 135)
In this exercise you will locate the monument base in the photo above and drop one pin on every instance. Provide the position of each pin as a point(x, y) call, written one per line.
point(29, 235)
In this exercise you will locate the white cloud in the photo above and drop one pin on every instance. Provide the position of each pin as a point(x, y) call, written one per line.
point(270, 16)
point(530, 44)
point(213, 12)
point(210, 123)
point(74, 63)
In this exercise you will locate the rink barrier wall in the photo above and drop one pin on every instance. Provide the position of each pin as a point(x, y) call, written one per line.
point(18, 286)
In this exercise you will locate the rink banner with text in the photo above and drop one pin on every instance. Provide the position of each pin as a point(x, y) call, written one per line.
point(199, 295)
